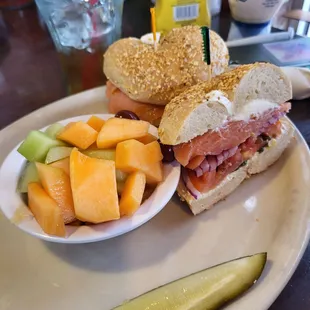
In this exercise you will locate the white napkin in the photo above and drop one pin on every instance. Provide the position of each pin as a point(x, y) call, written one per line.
point(300, 79)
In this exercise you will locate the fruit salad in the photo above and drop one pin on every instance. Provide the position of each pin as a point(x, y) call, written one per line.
point(89, 172)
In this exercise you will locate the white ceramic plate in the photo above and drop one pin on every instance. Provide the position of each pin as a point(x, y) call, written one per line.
point(16, 210)
point(269, 212)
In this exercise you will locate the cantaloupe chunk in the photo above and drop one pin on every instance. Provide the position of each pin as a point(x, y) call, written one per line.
point(45, 210)
point(56, 184)
point(78, 134)
point(63, 164)
point(93, 184)
point(96, 122)
point(132, 155)
point(147, 139)
point(132, 193)
point(154, 152)
point(116, 130)
point(154, 172)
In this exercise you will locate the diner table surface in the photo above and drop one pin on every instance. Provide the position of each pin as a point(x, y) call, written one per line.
point(31, 77)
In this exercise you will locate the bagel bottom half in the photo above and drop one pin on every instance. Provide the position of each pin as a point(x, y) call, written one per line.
point(258, 163)
point(119, 101)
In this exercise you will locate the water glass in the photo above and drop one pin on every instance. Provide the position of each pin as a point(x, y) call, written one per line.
point(82, 30)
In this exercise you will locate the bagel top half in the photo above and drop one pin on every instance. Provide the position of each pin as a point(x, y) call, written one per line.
point(156, 76)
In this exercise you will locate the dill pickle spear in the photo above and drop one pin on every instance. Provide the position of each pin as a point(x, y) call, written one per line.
point(208, 289)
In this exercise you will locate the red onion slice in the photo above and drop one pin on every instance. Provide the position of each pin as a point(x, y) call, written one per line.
point(220, 158)
point(199, 172)
point(232, 152)
point(270, 122)
point(189, 185)
point(212, 163)
point(273, 120)
point(226, 154)
point(204, 165)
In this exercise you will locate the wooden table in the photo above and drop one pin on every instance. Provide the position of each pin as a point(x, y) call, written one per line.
point(31, 77)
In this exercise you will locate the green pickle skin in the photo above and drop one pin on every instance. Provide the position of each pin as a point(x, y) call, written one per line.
point(208, 289)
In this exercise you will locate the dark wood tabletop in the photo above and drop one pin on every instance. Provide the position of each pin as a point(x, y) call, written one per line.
point(31, 77)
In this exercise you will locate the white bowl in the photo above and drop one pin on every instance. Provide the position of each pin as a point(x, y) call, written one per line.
point(17, 211)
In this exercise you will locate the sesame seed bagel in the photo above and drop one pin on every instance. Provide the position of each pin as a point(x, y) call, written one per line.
point(206, 105)
point(150, 76)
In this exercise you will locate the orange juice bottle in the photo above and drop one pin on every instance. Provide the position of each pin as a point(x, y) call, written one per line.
point(176, 13)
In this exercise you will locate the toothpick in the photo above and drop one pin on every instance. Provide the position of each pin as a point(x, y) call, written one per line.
point(153, 25)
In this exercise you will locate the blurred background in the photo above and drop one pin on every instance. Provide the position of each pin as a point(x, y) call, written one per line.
point(52, 48)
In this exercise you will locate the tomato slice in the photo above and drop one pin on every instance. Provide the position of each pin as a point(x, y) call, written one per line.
point(203, 183)
point(251, 146)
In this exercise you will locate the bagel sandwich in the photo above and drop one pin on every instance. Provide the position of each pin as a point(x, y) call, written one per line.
point(143, 80)
point(226, 130)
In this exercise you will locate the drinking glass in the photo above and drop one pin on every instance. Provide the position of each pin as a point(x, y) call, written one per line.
point(82, 30)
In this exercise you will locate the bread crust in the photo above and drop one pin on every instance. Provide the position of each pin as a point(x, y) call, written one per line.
point(258, 163)
point(157, 77)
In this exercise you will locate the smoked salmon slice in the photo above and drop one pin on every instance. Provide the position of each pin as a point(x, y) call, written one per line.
point(232, 134)
point(119, 101)
point(195, 162)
